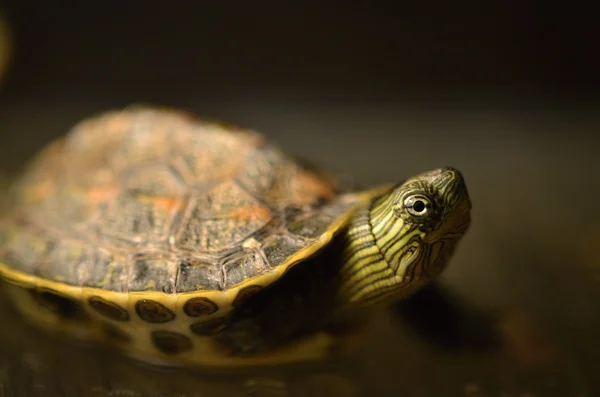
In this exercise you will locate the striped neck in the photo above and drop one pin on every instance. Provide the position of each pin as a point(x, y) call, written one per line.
point(380, 256)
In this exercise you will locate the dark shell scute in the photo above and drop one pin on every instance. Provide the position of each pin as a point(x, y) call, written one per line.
point(311, 227)
point(194, 275)
point(170, 342)
point(198, 307)
point(152, 273)
point(65, 262)
point(278, 249)
point(242, 268)
point(153, 312)
point(107, 271)
point(108, 309)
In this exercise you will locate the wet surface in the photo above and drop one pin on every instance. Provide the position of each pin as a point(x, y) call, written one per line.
point(517, 313)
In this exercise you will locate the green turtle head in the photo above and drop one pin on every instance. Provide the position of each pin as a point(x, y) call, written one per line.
point(407, 236)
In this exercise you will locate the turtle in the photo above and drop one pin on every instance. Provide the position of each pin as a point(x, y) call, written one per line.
point(184, 241)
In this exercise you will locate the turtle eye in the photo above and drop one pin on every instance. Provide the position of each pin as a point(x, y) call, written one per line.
point(418, 205)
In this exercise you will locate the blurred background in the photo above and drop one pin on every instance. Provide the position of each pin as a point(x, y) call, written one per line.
point(505, 91)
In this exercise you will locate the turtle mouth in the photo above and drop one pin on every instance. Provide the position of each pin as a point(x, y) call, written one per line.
point(438, 252)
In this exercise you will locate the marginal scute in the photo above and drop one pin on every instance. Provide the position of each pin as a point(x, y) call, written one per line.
point(153, 273)
point(244, 267)
point(170, 342)
point(153, 312)
point(106, 270)
point(222, 217)
point(312, 226)
point(196, 275)
point(65, 262)
point(24, 249)
point(244, 294)
point(108, 309)
point(199, 307)
point(209, 327)
point(279, 247)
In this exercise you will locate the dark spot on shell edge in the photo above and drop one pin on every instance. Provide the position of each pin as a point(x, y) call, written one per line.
point(200, 306)
point(108, 309)
point(153, 312)
point(245, 294)
point(57, 303)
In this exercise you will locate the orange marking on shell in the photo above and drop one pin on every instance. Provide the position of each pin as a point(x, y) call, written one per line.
point(250, 214)
point(229, 171)
point(307, 186)
point(162, 202)
point(101, 194)
point(37, 192)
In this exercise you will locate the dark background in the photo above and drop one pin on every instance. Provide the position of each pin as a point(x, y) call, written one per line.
point(380, 52)
point(505, 91)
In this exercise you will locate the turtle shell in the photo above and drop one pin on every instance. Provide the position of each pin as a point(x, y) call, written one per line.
point(151, 215)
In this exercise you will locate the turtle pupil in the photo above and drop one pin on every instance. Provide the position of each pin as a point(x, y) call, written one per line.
point(419, 206)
